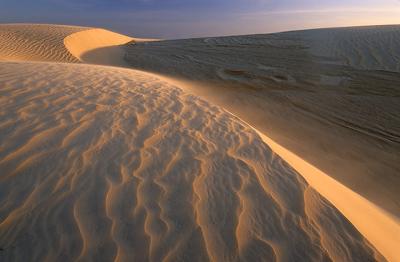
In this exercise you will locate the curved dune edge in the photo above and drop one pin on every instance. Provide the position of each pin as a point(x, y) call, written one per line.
point(81, 44)
point(375, 224)
point(36, 42)
point(381, 229)
point(148, 172)
point(99, 46)
point(330, 111)
point(367, 217)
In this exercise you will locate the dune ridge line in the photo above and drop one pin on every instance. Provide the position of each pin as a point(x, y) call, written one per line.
point(376, 225)
point(143, 109)
point(124, 165)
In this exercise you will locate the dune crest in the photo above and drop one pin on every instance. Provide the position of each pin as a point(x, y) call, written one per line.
point(99, 46)
point(298, 88)
point(125, 166)
point(336, 115)
point(379, 227)
point(106, 45)
point(36, 42)
point(61, 43)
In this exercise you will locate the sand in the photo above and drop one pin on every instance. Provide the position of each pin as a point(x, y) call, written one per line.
point(369, 47)
point(97, 46)
point(111, 164)
point(337, 114)
point(36, 42)
point(127, 165)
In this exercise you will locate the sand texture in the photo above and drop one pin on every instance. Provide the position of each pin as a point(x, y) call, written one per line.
point(112, 164)
point(97, 46)
point(36, 42)
point(341, 115)
point(243, 148)
point(369, 47)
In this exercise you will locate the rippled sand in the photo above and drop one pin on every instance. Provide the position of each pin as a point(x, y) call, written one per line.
point(104, 163)
point(368, 47)
point(36, 42)
point(329, 95)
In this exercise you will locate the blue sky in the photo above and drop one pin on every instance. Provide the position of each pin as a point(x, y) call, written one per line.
point(193, 18)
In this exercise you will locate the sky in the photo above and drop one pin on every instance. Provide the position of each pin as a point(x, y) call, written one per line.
point(171, 19)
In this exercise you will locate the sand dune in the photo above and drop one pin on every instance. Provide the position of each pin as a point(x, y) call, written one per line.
point(373, 222)
point(97, 46)
point(369, 47)
point(39, 42)
point(59, 43)
point(112, 164)
point(124, 165)
point(310, 91)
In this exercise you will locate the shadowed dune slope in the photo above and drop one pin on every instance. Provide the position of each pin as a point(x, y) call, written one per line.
point(112, 164)
point(59, 43)
point(323, 94)
point(108, 45)
point(99, 46)
point(36, 42)
point(367, 47)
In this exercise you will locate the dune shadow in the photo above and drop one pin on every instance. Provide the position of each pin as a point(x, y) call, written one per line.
point(109, 55)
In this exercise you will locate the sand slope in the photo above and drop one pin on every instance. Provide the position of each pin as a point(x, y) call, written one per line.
point(97, 46)
point(129, 133)
point(111, 164)
point(310, 91)
point(33, 42)
point(369, 47)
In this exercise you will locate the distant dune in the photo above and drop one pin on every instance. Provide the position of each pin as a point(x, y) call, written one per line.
point(106, 163)
point(324, 94)
point(58, 43)
point(97, 46)
point(22, 42)
point(369, 47)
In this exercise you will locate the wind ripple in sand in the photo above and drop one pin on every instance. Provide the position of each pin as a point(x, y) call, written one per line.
point(33, 42)
point(104, 164)
point(367, 47)
point(308, 91)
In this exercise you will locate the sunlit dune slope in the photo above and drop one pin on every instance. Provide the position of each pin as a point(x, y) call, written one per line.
point(36, 42)
point(103, 163)
point(59, 43)
point(97, 46)
point(331, 96)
